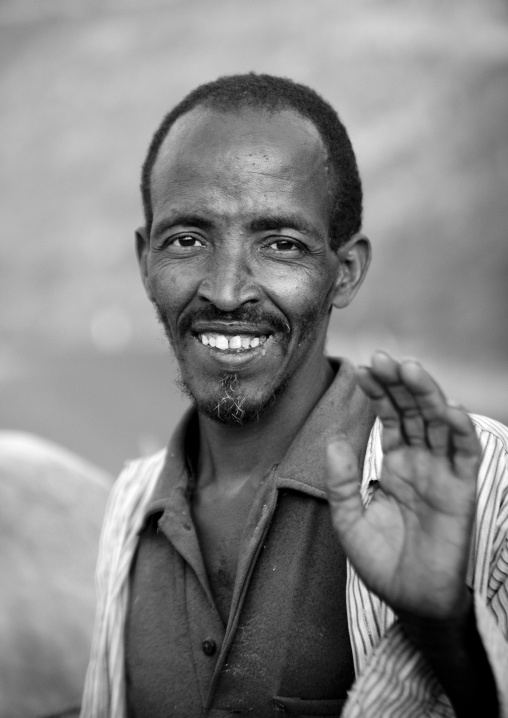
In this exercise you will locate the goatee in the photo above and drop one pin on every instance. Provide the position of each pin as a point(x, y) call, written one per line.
point(230, 406)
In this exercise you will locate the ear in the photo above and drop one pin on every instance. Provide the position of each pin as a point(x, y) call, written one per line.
point(354, 260)
point(142, 248)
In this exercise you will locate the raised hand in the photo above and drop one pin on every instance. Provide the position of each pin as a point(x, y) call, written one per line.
point(411, 545)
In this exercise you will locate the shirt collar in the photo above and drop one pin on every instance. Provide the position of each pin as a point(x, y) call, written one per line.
point(343, 409)
point(175, 479)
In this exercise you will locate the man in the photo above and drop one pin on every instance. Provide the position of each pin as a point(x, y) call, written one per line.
point(225, 584)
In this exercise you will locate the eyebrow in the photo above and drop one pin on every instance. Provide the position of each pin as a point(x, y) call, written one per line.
point(265, 223)
point(282, 221)
point(192, 220)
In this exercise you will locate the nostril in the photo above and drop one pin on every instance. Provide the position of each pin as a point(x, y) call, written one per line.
point(228, 293)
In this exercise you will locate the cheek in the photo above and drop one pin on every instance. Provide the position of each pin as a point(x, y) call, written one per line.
point(172, 287)
point(302, 296)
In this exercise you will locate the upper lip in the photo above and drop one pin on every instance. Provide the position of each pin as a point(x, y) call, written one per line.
point(232, 328)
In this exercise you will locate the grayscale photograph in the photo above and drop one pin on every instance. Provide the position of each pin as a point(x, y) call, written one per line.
point(254, 358)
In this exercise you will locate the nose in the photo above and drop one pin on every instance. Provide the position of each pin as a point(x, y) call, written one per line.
point(230, 281)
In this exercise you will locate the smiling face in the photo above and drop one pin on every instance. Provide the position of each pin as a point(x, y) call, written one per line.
point(238, 262)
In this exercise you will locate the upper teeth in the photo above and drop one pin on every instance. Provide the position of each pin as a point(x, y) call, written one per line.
point(240, 341)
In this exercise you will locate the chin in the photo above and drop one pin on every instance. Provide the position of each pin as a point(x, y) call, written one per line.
point(230, 406)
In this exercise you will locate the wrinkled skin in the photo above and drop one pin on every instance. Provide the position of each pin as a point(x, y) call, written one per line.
point(240, 235)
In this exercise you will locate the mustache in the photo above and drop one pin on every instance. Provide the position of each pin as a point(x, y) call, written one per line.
point(246, 315)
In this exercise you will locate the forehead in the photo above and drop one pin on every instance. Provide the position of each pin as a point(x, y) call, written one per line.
point(251, 147)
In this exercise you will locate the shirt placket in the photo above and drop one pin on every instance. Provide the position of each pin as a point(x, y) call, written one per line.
point(205, 628)
point(258, 524)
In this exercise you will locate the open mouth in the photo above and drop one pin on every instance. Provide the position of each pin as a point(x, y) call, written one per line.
point(237, 343)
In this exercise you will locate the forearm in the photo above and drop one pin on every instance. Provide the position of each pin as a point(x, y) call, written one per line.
point(455, 652)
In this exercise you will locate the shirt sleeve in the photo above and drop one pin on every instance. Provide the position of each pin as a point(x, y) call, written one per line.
point(488, 564)
point(95, 700)
point(104, 691)
point(489, 561)
point(393, 678)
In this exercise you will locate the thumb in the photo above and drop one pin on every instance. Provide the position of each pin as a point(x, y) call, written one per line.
point(343, 484)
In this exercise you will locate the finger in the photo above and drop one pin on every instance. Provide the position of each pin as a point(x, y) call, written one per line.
point(387, 371)
point(343, 485)
point(466, 450)
point(392, 435)
point(431, 403)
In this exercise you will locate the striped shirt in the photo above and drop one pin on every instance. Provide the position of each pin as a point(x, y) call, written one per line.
point(393, 678)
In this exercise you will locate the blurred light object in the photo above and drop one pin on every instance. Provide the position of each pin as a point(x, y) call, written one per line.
point(111, 329)
point(47, 606)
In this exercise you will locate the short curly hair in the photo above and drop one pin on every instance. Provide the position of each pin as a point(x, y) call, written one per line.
point(267, 92)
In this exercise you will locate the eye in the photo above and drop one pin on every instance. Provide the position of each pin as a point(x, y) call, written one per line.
point(286, 246)
point(185, 241)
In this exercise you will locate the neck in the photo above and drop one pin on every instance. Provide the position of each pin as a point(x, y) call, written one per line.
point(229, 455)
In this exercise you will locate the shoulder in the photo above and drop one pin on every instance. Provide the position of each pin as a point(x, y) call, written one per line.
point(127, 501)
point(135, 484)
point(493, 473)
point(490, 430)
point(136, 474)
point(494, 440)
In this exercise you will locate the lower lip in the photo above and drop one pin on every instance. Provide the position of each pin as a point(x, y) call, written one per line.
point(233, 357)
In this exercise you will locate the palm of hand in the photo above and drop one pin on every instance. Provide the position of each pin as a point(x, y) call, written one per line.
point(411, 545)
point(416, 526)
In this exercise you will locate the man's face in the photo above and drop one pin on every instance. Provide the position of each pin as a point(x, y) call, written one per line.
point(238, 263)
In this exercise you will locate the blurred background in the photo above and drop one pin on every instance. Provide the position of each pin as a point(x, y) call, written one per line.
point(422, 87)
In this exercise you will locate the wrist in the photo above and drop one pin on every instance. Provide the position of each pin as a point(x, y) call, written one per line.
point(454, 650)
point(444, 625)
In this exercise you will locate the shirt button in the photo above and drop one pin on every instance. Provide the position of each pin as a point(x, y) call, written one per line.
point(209, 647)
